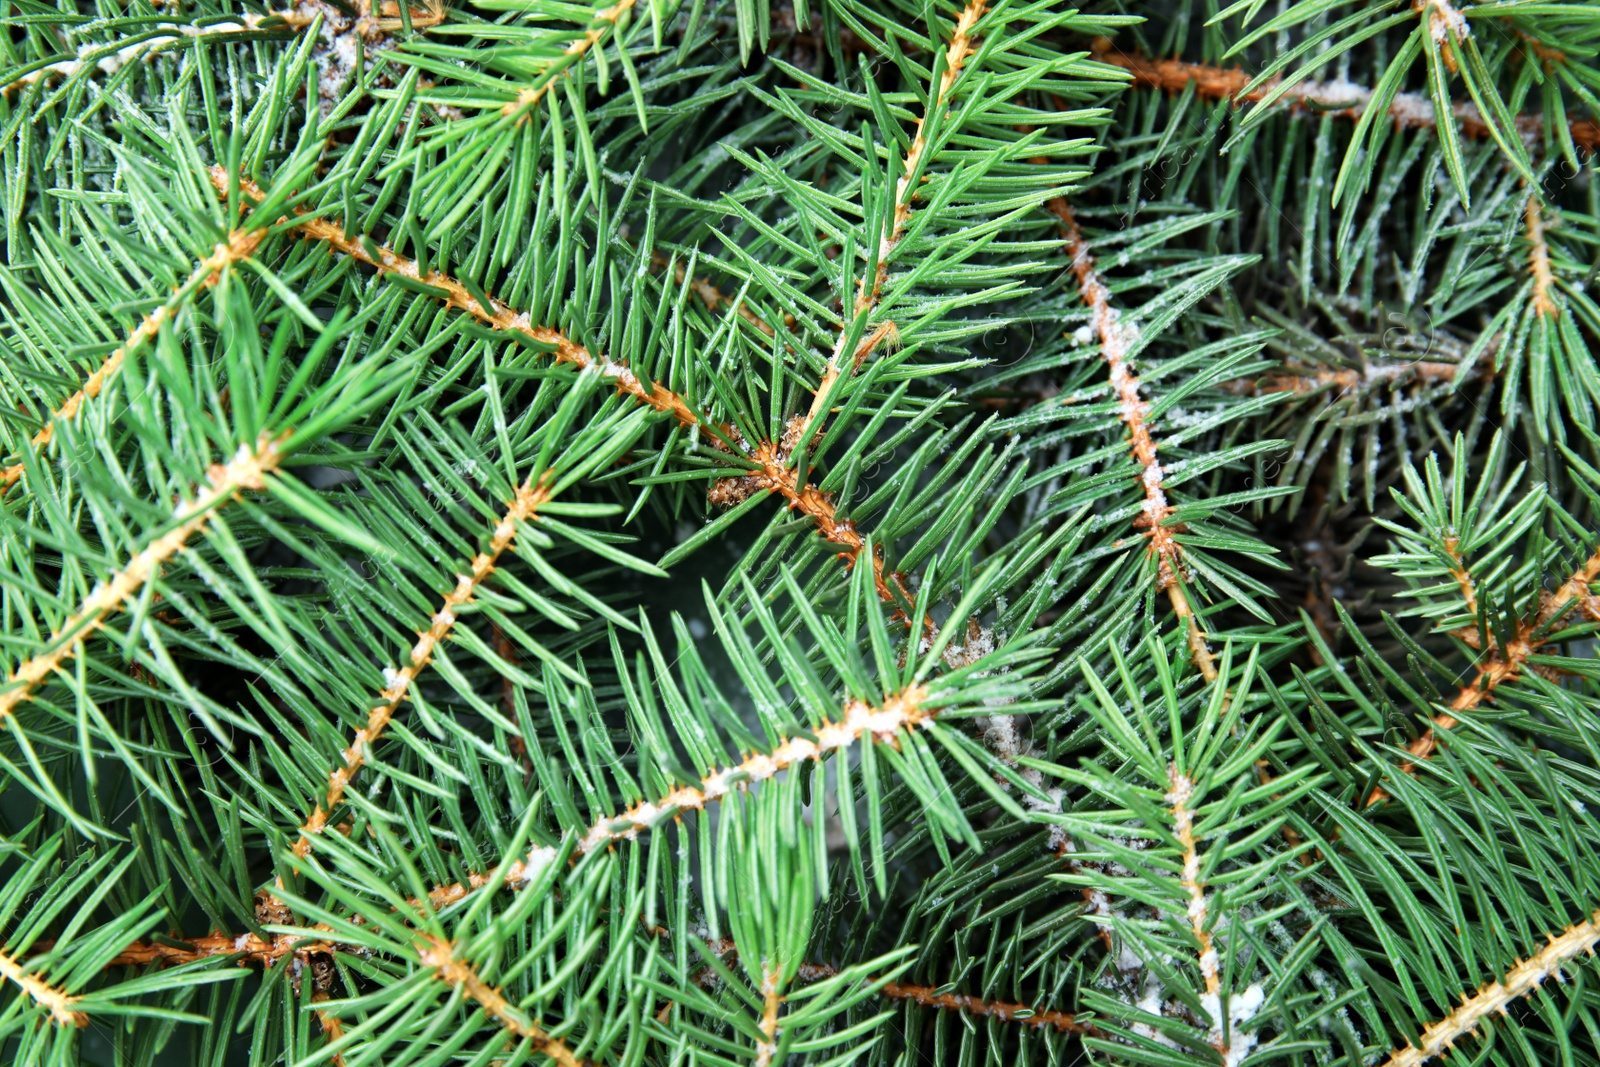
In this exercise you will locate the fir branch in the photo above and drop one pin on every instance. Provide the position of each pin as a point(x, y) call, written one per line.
point(881, 723)
point(1348, 380)
point(240, 245)
point(771, 1004)
point(439, 954)
point(1341, 99)
point(1520, 981)
point(530, 496)
point(1178, 798)
point(1539, 261)
point(1105, 321)
point(495, 314)
point(61, 1006)
point(108, 60)
point(956, 55)
point(1505, 665)
point(247, 470)
point(607, 18)
point(965, 1003)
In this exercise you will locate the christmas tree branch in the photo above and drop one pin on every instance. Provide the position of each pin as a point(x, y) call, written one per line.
point(62, 1007)
point(240, 245)
point(902, 711)
point(1505, 665)
point(771, 1004)
point(439, 954)
point(523, 508)
point(773, 476)
point(1518, 982)
point(1104, 320)
point(1340, 99)
point(607, 19)
point(932, 997)
point(956, 55)
point(109, 60)
point(247, 470)
point(1539, 261)
point(494, 313)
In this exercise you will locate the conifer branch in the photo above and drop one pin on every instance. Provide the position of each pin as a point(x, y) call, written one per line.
point(247, 470)
point(956, 55)
point(1341, 99)
point(523, 508)
point(774, 474)
point(240, 245)
point(1104, 320)
point(1521, 980)
point(1303, 382)
point(496, 314)
point(931, 997)
point(607, 19)
point(62, 1007)
point(113, 61)
point(902, 711)
point(1539, 260)
point(1180, 793)
point(1505, 665)
point(771, 1004)
point(439, 955)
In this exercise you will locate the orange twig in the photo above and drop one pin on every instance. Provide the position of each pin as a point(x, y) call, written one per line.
point(522, 509)
point(1539, 261)
point(1104, 320)
point(1408, 110)
point(608, 18)
point(1505, 665)
point(956, 55)
point(247, 470)
point(439, 954)
point(239, 245)
point(1521, 980)
point(63, 1008)
point(930, 997)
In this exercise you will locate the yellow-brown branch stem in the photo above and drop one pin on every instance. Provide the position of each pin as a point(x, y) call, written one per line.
point(239, 245)
point(1539, 260)
point(247, 470)
point(63, 1008)
point(523, 508)
point(1339, 99)
point(440, 956)
point(1505, 665)
point(602, 23)
point(1495, 997)
point(1104, 320)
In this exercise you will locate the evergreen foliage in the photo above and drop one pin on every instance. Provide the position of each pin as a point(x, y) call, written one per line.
point(820, 532)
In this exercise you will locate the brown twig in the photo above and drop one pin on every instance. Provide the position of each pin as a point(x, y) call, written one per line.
point(495, 314)
point(607, 18)
point(1339, 99)
point(1521, 980)
point(1498, 665)
point(439, 955)
point(902, 711)
point(931, 997)
point(241, 244)
point(1539, 261)
point(523, 508)
point(956, 55)
point(63, 1008)
point(1104, 320)
point(771, 1004)
point(246, 470)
